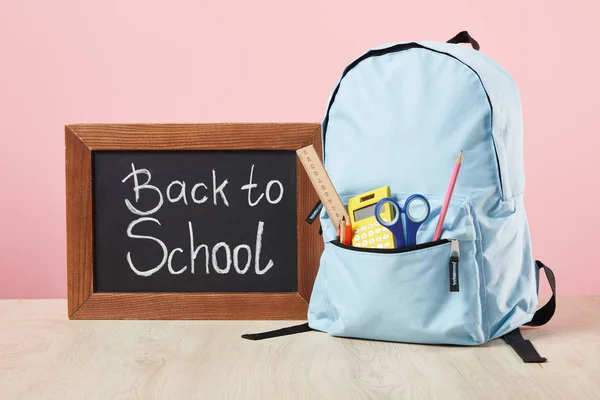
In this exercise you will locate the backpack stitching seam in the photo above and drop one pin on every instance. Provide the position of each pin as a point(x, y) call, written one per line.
point(329, 313)
point(483, 279)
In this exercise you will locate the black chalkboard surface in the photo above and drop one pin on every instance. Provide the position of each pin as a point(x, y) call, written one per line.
point(194, 221)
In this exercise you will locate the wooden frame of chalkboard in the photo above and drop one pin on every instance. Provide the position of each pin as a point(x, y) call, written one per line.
point(84, 141)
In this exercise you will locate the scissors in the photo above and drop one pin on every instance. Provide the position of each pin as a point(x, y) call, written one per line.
point(416, 208)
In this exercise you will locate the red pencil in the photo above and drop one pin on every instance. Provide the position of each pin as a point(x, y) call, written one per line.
point(348, 233)
point(345, 231)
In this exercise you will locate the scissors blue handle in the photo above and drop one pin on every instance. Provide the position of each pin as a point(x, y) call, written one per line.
point(413, 220)
point(395, 225)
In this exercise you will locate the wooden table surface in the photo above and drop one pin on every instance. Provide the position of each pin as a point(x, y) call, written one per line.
point(45, 356)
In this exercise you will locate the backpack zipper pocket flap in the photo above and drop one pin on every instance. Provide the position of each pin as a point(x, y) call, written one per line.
point(404, 295)
point(390, 251)
point(452, 265)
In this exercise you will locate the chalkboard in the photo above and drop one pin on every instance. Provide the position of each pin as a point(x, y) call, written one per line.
point(189, 221)
point(195, 221)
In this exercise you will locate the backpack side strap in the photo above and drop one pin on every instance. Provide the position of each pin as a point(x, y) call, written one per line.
point(290, 330)
point(545, 313)
point(523, 347)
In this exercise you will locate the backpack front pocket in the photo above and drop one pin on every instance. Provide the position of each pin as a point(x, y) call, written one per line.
point(405, 294)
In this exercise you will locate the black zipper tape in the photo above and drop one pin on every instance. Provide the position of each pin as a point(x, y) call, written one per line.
point(390, 251)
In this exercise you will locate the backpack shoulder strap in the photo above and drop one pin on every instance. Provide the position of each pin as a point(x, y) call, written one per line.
point(523, 347)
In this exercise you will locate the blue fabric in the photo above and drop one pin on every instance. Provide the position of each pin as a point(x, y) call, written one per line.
point(400, 120)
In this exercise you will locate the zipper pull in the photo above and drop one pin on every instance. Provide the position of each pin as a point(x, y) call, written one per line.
point(314, 213)
point(453, 265)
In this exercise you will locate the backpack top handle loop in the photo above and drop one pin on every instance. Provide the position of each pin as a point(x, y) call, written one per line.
point(464, 37)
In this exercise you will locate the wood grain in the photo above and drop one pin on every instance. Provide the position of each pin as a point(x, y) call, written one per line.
point(82, 139)
point(78, 173)
point(43, 355)
point(175, 306)
point(271, 136)
point(310, 244)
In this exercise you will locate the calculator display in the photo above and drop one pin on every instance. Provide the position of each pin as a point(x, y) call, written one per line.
point(365, 212)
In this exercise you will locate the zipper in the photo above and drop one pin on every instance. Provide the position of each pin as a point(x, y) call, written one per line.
point(453, 260)
point(397, 49)
point(453, 265)
point(314, 213)
point(391, 251)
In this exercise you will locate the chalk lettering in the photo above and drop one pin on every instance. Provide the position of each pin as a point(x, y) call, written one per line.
point(170, 265)
point(236, 258)
point(219, 189)
point(181, 192)
point(251, 186)
point(278, 199)
point(134, 236)
point(203, 199)
point(195, 251)
point(137, 187)
point(259, 233)
point(227, 255)
point(209, 256)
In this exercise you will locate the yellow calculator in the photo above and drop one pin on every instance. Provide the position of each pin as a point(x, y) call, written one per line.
point(366, 231)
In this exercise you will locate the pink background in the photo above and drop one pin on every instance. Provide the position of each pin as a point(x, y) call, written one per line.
point(206, 61)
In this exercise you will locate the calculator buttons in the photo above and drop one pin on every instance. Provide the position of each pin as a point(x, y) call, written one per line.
point(372, 235)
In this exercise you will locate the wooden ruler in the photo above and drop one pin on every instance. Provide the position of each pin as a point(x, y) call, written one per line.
point(322, 183)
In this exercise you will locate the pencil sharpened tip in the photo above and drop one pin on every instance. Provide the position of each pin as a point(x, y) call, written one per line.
point(459, 158)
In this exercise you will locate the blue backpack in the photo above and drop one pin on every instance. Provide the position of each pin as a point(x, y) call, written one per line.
point(398, 117)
